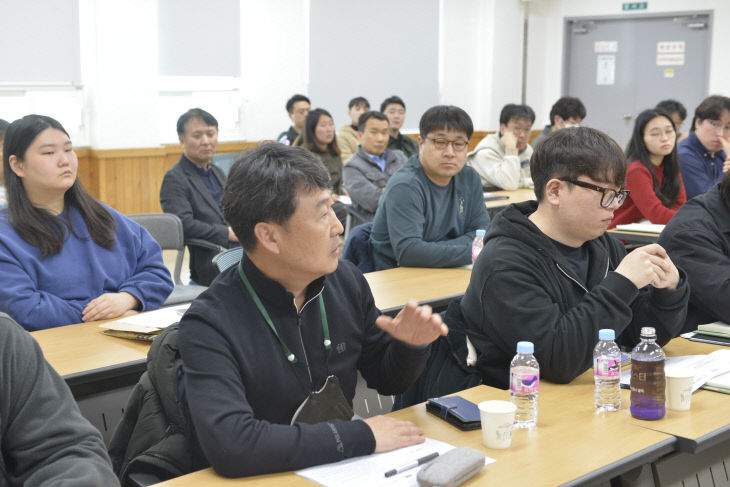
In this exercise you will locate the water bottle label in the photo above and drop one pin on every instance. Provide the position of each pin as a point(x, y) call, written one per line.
point(475, 252)
point(606, 367)
point(524, 383)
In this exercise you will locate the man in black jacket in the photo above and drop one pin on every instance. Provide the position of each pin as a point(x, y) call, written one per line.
point(192, 190)
point(698, 238)
point(288, 320)
point(550, 274)
point(44, 440)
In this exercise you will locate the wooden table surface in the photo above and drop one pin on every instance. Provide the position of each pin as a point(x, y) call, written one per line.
point(75, 349)
point(393, 287)
point(78, 349)
point(635, 237)
point(514, 196)
point(596, 443)
point(572, 443)
point(708, 420)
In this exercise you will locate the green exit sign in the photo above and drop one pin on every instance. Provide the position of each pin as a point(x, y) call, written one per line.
point(634, 6)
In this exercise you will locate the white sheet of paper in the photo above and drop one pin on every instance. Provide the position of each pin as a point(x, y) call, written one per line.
point(370, 470)
point(606, 69)
point(146, 322)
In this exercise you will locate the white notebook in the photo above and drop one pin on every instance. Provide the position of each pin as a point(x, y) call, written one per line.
point(641, 227)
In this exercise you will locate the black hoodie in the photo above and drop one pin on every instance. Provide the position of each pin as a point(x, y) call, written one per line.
point(522, 288)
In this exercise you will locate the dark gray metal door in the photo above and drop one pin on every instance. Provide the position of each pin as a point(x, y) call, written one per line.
point(619, 66)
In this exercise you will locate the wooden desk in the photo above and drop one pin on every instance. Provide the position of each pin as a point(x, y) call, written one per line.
point(707, 423)
point(635, 237)
point(572, 444)
point(436, 287)
point(514, 196)
point(85, 357)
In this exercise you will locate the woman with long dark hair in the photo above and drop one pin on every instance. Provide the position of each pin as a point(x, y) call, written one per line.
point(653, 177)
point(65, 257)
point(318, 136)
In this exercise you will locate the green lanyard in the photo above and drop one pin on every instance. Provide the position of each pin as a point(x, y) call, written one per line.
point(287, 353)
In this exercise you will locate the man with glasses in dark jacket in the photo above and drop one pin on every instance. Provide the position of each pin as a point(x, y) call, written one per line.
point(550, 274)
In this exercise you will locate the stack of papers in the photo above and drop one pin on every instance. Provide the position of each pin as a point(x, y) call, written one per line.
point(370, 469)
point(641, 227)
point(717, 328)
point(710, 371)
point(145, 326)
point(717, 333)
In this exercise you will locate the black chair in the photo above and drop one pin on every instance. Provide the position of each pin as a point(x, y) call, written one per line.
point(167, 230)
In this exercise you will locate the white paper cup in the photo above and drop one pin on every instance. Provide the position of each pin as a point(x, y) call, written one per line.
point(498, 418)
point(679, 388)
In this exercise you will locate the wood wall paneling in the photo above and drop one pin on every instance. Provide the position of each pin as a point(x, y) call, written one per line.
point(129, 180)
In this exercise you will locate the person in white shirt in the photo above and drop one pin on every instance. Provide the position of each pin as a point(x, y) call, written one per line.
point(503, 159)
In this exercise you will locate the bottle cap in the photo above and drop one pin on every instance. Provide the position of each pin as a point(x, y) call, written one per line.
point(648, 331)
point(481, 232)
point(606, 334)
point(525, 347)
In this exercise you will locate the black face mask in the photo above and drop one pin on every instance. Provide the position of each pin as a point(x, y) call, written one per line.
point(323, 405)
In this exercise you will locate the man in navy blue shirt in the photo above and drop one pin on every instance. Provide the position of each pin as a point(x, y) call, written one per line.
point(703, 154)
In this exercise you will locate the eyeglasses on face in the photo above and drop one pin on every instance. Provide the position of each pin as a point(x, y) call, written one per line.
point(517, 129)
point(718, 127)
point(441, 144)
point(608, 194)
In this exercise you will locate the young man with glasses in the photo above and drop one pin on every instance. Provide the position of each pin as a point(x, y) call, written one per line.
point(432, 207)
point(703, 155)
point(549, 273)
point(503, 159)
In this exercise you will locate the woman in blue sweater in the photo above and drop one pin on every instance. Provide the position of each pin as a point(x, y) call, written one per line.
point(65, 257)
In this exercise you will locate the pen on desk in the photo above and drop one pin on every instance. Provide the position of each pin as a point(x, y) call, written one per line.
point(411, 465)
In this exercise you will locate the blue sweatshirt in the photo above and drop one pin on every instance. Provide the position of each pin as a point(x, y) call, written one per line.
point(700, 170)
point(44, 293)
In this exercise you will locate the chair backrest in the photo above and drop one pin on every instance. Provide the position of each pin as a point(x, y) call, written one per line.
point(367, 402)
point(227, 258)
point(167, 230)
point(225, 161)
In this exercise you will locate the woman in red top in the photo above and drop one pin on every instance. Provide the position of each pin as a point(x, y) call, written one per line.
point(653, 177)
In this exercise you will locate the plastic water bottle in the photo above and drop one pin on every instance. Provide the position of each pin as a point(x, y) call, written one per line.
point(607, 372)
point(477, 244)
point(524, 383)
point(647, 377)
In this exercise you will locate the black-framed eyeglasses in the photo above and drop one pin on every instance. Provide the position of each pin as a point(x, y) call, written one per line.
point(608, 194)
point(442, 144)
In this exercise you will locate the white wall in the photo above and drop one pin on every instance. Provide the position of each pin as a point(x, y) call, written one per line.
point(122, 68)
point(482, 57)
point(479, 57)
point(274, 36)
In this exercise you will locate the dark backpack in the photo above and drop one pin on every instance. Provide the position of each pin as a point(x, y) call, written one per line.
point(155, 435)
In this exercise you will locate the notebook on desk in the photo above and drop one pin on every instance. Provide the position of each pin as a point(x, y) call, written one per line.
point(641, 227)
point(144, 326)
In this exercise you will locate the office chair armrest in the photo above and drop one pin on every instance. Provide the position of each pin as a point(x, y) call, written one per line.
point(205, 244)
